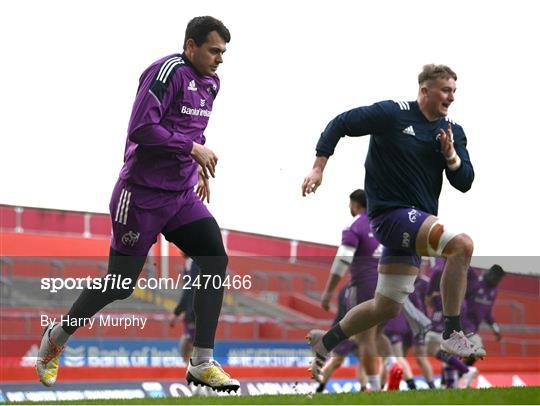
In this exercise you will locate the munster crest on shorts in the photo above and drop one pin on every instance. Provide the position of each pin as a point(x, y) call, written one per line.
point(130, 238)
point(413, 214)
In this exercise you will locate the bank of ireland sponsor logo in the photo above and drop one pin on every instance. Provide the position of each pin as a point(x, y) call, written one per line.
point(154, 389)
point(130, 238)
point(195, 112)
point(75, 356)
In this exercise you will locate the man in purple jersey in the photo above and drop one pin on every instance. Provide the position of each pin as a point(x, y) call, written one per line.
point(165, 158)
point(479, 301)
point(409, 329)
point(417, 316)
point(340, 353)
point(398, 332)
point(452, 365)
point(357, 253)
point(415, 306)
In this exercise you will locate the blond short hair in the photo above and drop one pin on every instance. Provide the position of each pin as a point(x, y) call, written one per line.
point(432, 71)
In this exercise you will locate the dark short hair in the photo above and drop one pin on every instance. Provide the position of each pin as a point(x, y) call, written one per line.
point(359, 196)
point(497, 270)
point(432, 71)
point(199, 28)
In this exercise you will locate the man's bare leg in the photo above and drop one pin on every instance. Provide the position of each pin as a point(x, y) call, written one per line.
point(369, 354)
point(457, 249)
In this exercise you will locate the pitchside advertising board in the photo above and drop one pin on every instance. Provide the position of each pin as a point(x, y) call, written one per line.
point(165, 353)
point(158, 389)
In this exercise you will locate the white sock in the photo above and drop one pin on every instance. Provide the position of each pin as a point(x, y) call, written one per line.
point(374, 381)
point(389, 361)
point(59, 335)
point(201, 355)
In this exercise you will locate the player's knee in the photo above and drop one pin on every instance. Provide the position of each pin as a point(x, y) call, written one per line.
point(223, 261)
point(121, 294)
point(396, 288)
point(393, 310)
point(461, 245)
point(121, 291)
point(467, 245)
point(442, 240)
point(215, 264)
point(387, 308)
point(390, 311)
point(221, 264)
point(215, 248)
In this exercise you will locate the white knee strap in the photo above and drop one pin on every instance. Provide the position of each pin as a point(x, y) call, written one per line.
point(444, 239)
point(395, 287)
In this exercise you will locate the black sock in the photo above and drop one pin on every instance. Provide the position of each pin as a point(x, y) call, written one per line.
point(320, 388)
point(333, 337)
point(470, 361)
point(431, 385)
point(451, 324)
point(411, 384)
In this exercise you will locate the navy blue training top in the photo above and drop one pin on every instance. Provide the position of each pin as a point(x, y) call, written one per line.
point(404, 165)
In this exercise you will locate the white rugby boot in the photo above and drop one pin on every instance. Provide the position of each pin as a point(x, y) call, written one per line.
point(212, 375)
point(48, 356)
point(313, 338)
point(458, 344)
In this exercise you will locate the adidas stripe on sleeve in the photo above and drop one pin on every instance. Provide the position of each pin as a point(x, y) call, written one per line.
point(157, 90)
point(163, 76)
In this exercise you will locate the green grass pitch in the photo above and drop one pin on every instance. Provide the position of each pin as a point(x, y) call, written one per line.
point(516, 395)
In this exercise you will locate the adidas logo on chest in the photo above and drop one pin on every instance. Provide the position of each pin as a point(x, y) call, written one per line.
point(409, 131)
point(192, 86)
